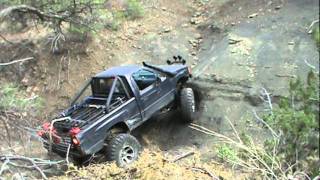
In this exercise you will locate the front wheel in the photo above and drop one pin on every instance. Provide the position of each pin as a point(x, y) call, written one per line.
point(123, 149)
point(187, 104)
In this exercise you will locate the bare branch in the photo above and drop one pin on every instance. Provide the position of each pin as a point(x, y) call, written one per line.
point(35, 166)
point(309, 30)
point(16, 61)
point(265, 96)
point(183, 156)
point(205, 171)
point(67, 156)
point(29, 9)
point(266, 124)
point(6, 40)
point(311, 66)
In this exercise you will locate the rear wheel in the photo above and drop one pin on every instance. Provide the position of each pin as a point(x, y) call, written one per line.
point(187, 104)
point(123, 149)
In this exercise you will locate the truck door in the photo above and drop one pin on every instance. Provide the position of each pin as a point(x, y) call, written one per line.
point(149, 91)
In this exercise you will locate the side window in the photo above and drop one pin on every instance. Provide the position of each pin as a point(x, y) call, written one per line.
point(144, 78)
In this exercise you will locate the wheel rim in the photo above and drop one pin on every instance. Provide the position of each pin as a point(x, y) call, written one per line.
point(127, 154)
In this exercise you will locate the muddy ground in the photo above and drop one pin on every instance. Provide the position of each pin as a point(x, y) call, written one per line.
point(235, 49)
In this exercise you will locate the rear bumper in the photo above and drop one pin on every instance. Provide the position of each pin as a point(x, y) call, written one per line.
point(62, 149)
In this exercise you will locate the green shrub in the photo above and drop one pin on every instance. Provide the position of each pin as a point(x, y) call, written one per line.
point(118, 18)
point(227, 153)
point(134, 9)
point(297, 118)
point(11, 98)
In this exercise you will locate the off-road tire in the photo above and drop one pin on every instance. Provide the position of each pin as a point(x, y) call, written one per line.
point(187, 105)
point(123, 149)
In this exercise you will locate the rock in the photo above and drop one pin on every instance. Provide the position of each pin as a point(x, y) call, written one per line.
point(291, 43)
point(277, 7)
point(253, 15)
point(215, 27)
point(164, 8)
point(194, 21)
point(184, 25)
point(198, 36)
point(197, 14)
point(167, 29)
point(25, 81)
point(234, 41)
point(253, 96)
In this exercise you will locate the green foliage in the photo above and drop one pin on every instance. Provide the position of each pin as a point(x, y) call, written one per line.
point(11, 98)
point(117, 18)
point(134, 9)
point(297, 118)
point(227, 153)
point(85, 15)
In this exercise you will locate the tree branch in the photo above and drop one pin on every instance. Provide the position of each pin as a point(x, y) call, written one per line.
point(16, 61)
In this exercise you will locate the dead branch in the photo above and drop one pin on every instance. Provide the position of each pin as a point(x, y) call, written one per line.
point(265, 96)
point(258, 157)
point(3, 167)
point(22, 158)
point(311, 66)
point(234, 130)
point(32, 10)
point(6, 40)
point(16, 61)
point(183, 156)
point(285, 75)
point(310, 28)
point(67, 156)
point(205, 171)
point(266, 124)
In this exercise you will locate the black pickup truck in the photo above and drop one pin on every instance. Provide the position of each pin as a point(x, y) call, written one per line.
point(119, 100)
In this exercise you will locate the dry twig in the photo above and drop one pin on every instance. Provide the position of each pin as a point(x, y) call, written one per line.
point(205, 171)
point(183, 156)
